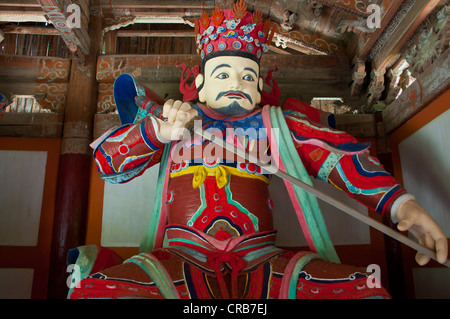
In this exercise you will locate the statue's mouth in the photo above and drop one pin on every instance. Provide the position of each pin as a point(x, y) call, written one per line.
point(235, 95)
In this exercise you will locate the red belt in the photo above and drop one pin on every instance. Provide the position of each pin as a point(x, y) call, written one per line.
point(236, 263)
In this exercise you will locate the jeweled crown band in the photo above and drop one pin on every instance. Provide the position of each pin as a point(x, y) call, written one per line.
point(233, 30)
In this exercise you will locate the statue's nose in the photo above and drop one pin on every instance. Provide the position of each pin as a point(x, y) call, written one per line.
point(235, 83)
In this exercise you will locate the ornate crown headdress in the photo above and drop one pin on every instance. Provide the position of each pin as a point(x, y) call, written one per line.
point(236, 30)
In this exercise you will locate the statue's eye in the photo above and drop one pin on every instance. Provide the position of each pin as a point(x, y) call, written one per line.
point(222, 76)
point(248, 77)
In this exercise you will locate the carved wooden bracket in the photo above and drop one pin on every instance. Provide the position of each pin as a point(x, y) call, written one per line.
point(358, 76)
point(376, 86)
point(427, 86)
point(393, 87)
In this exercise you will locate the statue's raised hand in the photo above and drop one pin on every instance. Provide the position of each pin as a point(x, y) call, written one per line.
point(177, 114)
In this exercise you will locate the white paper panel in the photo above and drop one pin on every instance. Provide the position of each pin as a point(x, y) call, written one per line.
point(425, 161)
point(127, 209)
point(22, 176)
point(16, 283)
point(343, 229)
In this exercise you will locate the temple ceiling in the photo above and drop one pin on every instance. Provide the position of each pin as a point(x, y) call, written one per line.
point(376, 40)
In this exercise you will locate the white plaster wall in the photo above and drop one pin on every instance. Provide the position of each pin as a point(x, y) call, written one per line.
point(425, 162)
point(22, 175)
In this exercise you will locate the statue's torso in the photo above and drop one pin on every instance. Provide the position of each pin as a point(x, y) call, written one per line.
point(212, 190)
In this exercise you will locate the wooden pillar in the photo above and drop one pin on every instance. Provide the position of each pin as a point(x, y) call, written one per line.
point(69, 225)
point(394, 258)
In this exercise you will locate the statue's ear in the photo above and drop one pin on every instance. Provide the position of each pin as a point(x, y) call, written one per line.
point(260, 88)
point(199, 82)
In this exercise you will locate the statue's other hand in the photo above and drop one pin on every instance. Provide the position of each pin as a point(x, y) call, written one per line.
point(412, 217)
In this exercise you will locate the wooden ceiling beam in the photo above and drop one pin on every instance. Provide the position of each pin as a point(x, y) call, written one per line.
point(76, 38)
point(21, 14)
point(156, 33)
point(275, 49)
point(36, 69)
point(166, 13)
point(291, 68)
point(353, 7)
point(388, 47)
point(20, 3)
point(156, 4)
point(299, 76)
point(15, 29)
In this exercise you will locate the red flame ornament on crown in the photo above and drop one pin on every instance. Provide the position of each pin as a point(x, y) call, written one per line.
point(233, 30)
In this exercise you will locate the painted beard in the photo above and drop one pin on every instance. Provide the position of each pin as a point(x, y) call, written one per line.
point(232, 109)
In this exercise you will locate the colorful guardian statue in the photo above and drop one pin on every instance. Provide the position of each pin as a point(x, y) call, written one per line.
point(214, 207)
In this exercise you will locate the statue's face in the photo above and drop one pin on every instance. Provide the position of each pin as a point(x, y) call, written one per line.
point(230, 85)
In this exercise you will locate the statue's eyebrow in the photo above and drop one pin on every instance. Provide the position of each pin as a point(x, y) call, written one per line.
point(220, 66)
point(251, 70)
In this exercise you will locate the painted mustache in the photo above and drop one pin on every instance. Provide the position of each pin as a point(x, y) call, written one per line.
point(234, 94)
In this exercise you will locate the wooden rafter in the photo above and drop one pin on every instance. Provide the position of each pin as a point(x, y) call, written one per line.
point(156, 4)
point(76, 38)
point(21, 11)
point(20, 3)
point(353, 7)
point(21, 15)
point(15, 29)
point(156, 33)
